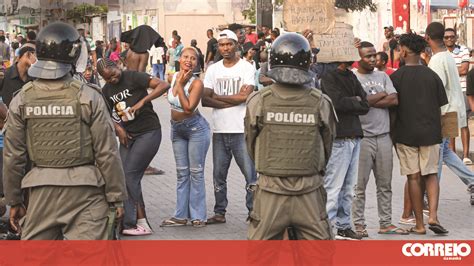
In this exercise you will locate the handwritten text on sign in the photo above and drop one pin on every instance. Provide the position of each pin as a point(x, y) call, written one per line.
point(317, 15)
point(338, 46)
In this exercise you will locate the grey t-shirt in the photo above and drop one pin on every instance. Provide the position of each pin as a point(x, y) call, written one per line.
point(377, 120)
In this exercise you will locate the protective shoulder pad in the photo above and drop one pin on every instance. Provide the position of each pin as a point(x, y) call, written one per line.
point(25, 87)
point(76, 84)
point(267, 91)
point(316, 93)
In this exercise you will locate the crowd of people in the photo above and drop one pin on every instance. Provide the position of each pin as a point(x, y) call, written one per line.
point(411, 96)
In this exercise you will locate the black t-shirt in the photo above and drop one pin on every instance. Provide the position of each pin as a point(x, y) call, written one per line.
point(11, 83)
point(211, 47)
point(420, 95)
point(470, 82)
point(131, 88)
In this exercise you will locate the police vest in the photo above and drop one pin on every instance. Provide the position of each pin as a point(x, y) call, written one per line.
point(290, 143)
point(56, 135)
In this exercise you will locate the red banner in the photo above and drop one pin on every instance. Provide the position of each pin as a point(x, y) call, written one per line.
point(236, 253)
point(401, 14)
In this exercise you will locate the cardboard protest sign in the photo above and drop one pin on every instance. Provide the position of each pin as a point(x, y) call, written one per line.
point(337, 46)
point(317, 15)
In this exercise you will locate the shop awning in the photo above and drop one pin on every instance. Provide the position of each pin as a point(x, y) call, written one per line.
point(447, 4)
point(27, 26)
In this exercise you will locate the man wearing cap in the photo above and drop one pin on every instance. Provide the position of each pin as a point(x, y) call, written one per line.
point(64, 127)
point(238, 30)
point(227, 85)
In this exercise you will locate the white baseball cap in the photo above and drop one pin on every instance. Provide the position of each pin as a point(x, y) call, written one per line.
point(227, 34)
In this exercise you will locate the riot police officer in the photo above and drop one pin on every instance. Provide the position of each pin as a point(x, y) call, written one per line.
point(289, 132)
point(64, 127)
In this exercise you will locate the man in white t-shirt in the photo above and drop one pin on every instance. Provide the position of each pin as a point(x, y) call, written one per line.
point(227, 85)
point(462, 58)
point(444, 65)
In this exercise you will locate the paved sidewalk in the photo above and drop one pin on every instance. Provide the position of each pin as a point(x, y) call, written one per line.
point(455, 211)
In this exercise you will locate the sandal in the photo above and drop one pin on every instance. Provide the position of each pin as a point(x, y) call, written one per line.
point(172, 222)
point(438, 229)
point(198, 223)
point(361, 231)
point(407, 221)
point(413, 231)
point(153, 171)
point(393, 231)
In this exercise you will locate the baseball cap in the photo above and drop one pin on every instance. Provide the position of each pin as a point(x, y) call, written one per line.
point(227, 34)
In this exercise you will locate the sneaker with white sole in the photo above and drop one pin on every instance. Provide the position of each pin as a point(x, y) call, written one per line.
point(139, 231)
point(347, 234)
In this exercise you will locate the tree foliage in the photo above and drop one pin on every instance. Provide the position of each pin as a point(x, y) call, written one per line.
point(356, 5)
point(348, 5)
point(83, 10)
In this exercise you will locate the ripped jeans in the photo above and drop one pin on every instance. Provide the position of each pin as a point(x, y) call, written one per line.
point(224, 146)
point(191, 138)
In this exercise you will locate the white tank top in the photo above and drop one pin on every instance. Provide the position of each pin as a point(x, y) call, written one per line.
point(174, 100)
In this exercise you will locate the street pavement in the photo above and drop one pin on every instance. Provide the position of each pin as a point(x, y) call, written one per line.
point(455, 212)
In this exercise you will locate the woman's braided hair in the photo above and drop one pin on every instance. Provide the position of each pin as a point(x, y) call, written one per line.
point(105, 63)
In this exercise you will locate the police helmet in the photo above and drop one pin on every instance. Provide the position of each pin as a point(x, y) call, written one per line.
point(58, 47)
point(290, 59)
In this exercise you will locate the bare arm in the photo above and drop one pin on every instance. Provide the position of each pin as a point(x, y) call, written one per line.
point(463, 68)
point(470, 99)
point(264, 80)
point(158, 87)
point(374, 98)
point(195, 91)
point(3, 114)
point(143, 59)
point(236, 99)
point(388, 101)
point(209, 57)
point(208, 100)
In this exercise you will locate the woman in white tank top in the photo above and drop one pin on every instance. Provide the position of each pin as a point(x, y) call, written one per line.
point(191, 135)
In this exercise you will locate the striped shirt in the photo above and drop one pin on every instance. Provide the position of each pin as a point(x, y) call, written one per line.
point(461, 55)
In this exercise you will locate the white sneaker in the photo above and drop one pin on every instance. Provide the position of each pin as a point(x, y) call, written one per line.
point(139, 231)
point(467, 161)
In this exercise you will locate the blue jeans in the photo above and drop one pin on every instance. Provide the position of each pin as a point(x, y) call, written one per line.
point(158, 71)
point(339, 181)
point(135, 159)
point(454, 163)
point(191, 138)
point(224, 146)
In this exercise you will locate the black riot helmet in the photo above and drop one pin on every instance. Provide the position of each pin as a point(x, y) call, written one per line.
point(58, 47)
point(290, 58)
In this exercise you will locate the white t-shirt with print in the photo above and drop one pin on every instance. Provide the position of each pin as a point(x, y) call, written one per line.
point(228, 81)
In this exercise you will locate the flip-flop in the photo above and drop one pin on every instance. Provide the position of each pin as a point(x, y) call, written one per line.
point(413, 231)
point(394, 231)
point(172, 222)
point(438, 229)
